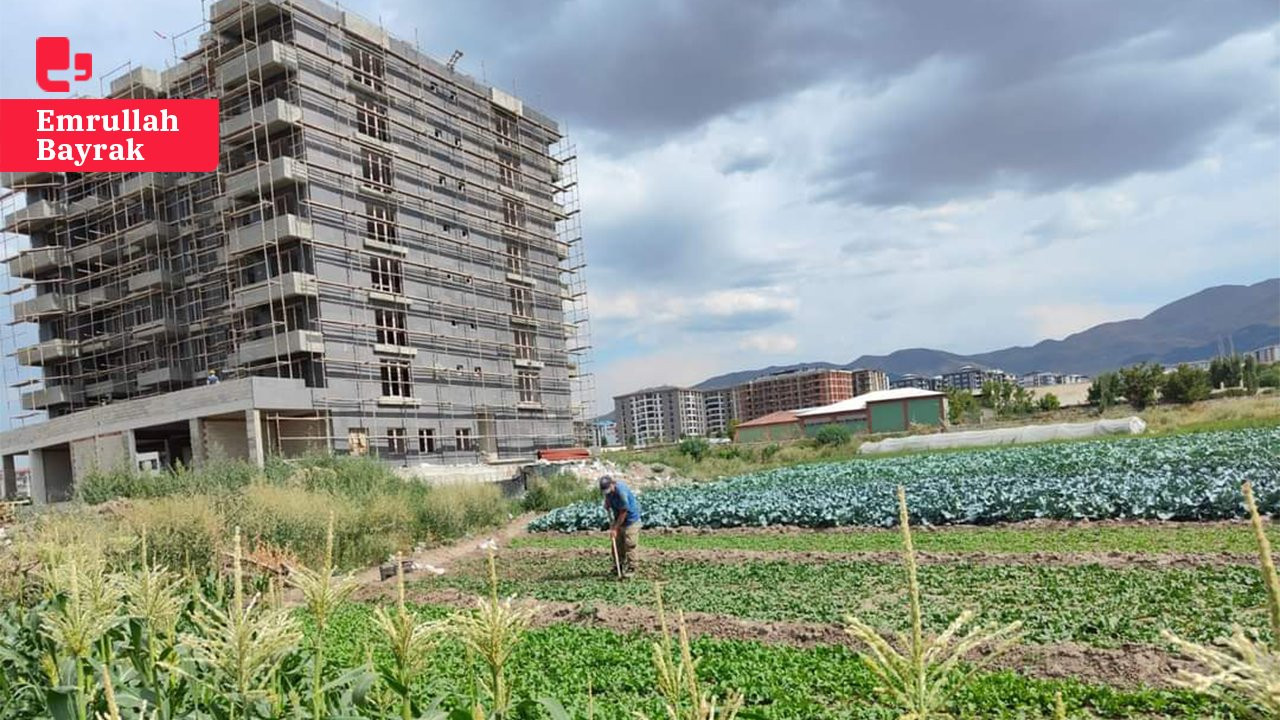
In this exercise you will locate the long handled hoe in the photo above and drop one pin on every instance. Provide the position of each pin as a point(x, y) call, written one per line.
point(613, 549)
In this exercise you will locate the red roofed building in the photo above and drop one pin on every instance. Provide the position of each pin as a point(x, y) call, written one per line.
point(774, 427)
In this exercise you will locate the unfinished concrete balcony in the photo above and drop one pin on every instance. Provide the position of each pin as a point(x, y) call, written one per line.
point(278, 345)
point(157, 279)
point(268, 232)
point(20, 180)
point(102, 342)
point(266, 59)
point(282, 287)
point(94, 297)
point(164, 327)
point(34, 216)
point(152, 181)
point(147, 236)
point(84, 205)
point(48, 397)
point(34, 262)
point(41, 306)
point(139, 83)
point(226, 14)
point(270, 116)
point(111, 387)
point(105, 251)
point(167, 375)
point(47, 351)
point(256, 179)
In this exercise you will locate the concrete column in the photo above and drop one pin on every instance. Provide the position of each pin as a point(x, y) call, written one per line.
point(198, 455)
point(36, 478)
point(131, 450)
point(9, 488)
point(253, 435)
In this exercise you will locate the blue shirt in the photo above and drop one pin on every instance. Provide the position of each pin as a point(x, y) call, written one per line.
point(623, 499)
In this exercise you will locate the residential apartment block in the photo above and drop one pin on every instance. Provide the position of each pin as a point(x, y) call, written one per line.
point(868, 380)
point(920, 382)
point(719, 410)
point(791, 390)
point(1267, 354)
point(1046, 379)
point(387, 261)
point(658, 415)
point(970, 378)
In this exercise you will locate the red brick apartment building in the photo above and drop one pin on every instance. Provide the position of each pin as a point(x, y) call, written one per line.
point(792, 390)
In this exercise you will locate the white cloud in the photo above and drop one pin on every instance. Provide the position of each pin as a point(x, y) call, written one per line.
point(769, 343)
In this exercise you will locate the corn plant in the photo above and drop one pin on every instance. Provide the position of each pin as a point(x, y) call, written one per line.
point(682, 696)
point(411, 643)
point(922, 680)
point(154, 603)
point(83, 611)
point(1243, 671)
point(240, 649)
point(322, 593)
point(491, 632)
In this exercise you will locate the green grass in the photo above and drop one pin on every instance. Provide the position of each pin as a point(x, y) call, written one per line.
point(543, 494)
point(824, 683)
point(1167, 538)
point(1087, 603)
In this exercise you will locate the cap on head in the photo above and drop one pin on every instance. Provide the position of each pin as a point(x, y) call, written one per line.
point(606, 482)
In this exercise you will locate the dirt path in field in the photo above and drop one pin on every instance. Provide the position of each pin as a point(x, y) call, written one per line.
point(1115, 560)
point(445, 556)
point(1128, 666)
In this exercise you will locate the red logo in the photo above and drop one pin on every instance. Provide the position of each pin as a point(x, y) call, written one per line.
point(54, 53)
point(119, 134)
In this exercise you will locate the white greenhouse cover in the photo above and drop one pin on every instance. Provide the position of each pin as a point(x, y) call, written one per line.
point(1008, 436)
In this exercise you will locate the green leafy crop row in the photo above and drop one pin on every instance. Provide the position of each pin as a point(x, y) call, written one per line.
point(823, 683)
point(1185, 477)
point(1083, 603)
point(1162, 538)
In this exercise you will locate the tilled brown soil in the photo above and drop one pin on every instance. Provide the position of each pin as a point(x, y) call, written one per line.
point(1113, 559)
point(1128, 666)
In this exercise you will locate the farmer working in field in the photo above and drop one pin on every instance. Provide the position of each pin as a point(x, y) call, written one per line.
point(624, 527)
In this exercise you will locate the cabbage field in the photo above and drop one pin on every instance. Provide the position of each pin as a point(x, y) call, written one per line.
point(538, 626)
point(1181, 477)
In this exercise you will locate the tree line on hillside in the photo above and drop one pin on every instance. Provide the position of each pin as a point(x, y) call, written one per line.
point(1003, 397)
point(1139, 385)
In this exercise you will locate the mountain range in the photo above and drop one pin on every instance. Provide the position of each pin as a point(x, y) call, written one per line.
point(1199, 326)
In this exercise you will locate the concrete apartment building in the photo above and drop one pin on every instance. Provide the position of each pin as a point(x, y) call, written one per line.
point(658, 415)
point(1267, 354)
point(719, 410)
point(919, 382)
point(866, 380)
point(387, 261)
point(970, 377)
point(791, 390)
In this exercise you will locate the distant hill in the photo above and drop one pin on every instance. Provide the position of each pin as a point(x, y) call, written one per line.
point(1241, 316)
point(1196, 321)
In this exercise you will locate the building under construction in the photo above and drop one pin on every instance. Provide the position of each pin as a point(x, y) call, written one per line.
point(387, 261)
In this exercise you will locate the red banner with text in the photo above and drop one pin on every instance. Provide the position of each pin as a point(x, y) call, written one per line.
point(108, 135)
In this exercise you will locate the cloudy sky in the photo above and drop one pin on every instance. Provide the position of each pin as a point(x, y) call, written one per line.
point(772, 181)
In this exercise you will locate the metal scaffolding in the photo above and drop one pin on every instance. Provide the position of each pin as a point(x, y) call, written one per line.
point(402, 239)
